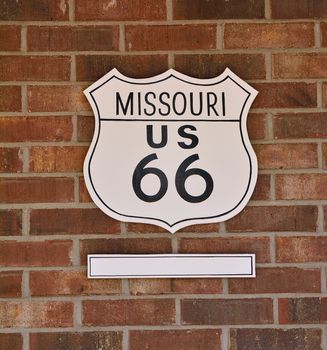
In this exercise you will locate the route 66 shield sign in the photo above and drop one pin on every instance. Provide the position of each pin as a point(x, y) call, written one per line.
point(170, 150)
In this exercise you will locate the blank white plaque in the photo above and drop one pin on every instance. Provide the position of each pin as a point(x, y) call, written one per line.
point(170, 265)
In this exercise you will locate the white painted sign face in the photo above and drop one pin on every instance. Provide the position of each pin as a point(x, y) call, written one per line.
point(170, 150)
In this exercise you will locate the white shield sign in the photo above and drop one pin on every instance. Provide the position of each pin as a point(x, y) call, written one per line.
point(170, 150)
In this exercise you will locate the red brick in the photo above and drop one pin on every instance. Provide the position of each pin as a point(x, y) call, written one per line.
point(10, 99)
point(77, 341)
point(146, 228)
point(170, 37)
point(230, 245)
point(85, 128)
point(308, 65)
point(300, 125)
point(201, 228)
point(274, 218)
point(293, 9)
point(226, 311)
point(135, 227)
point(323, 29)
point(36, 189)
point(93, 67)
point(12, 341)
point(11, 160)
point(71, 221)
point(10, 285)
point(43, 253)
point(26, 68)
point(285, 95)
point(38, 314)
point(278, 280)
point(128, 312)
point(10, 38)
point(247, 66)
point(324, 94)
point(54, 283)
point(10, 222)
point(268, 35)
point(175, 286)
point(301, 186)
point(287, 156)
point(30, 10)
point(124, 10)
point(262, 188)
point(57, 99)
point(73, 38)
point(218, 9)
point(57, 159)
point(302, 310)
point(35, 129)
point(257, 126)
point(84, 196)
point(324, 153)
point(258, 339)
point(301, 249)
point(124, 246)
point(175, 339)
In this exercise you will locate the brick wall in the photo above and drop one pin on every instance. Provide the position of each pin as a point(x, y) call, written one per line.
point(52, 50)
